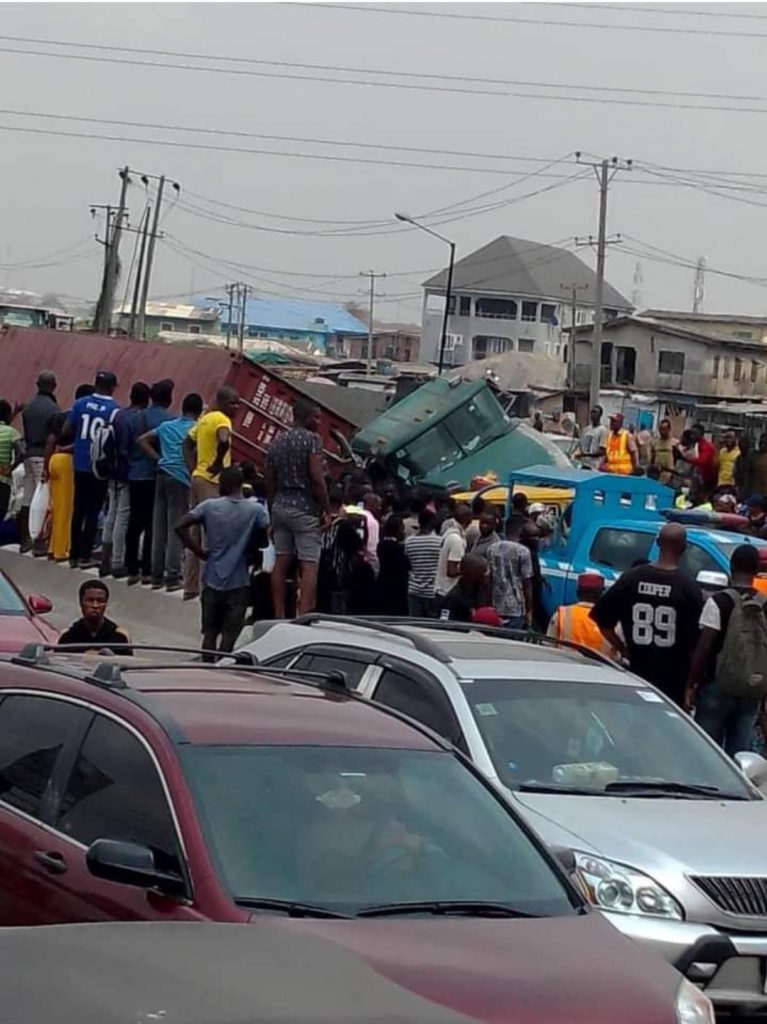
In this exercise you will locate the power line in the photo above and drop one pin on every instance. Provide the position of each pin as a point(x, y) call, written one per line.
point(683, 13)
point(415, 86)
point(516, 20)
point(388, 72)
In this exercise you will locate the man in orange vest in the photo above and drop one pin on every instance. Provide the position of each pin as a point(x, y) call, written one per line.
point(572, 622)
point(621, 448)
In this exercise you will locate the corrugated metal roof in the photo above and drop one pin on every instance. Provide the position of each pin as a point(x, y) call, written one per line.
point(515, 267)
point(298, 315)
point(177, 312)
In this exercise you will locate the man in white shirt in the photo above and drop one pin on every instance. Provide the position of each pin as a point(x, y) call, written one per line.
point(593, 442)
point(452, 551)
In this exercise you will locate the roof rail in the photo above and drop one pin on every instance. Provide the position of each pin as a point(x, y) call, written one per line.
point(384, 625)
point(109, 674)
point(502, 632)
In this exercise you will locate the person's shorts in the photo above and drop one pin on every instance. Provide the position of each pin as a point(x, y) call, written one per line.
point(296, 533)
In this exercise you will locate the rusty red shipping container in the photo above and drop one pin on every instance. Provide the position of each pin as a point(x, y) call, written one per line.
point(266, 397)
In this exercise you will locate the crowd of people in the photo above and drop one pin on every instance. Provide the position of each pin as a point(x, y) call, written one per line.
point(151, 496)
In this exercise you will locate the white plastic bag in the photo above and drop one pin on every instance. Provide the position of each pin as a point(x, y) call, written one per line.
point(269, 557)
point(39, 509)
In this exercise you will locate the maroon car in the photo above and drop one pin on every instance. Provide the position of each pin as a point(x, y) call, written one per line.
point(185, 792)
point(21, 621)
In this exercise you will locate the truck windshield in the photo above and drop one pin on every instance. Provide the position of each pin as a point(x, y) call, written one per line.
point(573, 735)
point(346, 828)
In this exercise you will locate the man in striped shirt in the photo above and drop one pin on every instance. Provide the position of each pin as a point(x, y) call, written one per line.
point(422, 551)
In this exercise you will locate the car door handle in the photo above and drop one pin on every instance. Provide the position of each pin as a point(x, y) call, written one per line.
point(53, 863)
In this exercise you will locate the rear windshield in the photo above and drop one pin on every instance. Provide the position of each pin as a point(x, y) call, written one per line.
point(351, 827)
point(573, 734)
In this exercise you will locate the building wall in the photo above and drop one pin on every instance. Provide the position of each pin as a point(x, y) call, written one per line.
point(722, 371)
point(744, 330)
point(395, 345)
point(536, 327)
point(156, 326)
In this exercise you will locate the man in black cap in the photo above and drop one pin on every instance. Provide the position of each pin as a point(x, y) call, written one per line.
point(38, 417)
point(88, 418)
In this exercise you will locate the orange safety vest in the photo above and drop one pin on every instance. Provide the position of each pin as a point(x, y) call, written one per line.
point(618, 457)
point(573, 623)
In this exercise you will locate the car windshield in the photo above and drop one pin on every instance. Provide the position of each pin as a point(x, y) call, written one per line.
point(10, 602)
point(349, 828)
point(593, 736)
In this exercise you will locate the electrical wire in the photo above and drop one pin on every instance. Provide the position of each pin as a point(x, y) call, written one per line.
point(33, 262)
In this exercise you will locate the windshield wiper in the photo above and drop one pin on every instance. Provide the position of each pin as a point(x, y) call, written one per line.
point(448, 908)
point(553, 787)
point(661, 787)
point(289, 907)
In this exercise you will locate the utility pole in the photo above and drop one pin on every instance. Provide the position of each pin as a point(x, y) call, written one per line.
point(230, 292)
point(699, 285)
point(145, 178)
point(98, 317)
point(242, 292)
point(372, 275)
point(114, 224)
point(139, 270)
point(573, 289)
point(605, 171)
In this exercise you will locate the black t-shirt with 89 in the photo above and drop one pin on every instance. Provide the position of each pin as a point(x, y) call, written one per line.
point(658, 611)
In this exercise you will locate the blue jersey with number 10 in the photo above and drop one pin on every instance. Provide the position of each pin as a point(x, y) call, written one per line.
point(87, 415)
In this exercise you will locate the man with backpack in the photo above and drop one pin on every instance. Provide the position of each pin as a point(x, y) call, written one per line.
point(728, 674)
point(89, 418)
point(111, 463)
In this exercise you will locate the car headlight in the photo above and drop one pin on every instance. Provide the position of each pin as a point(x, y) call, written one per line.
point(623, 890)
point(692, 1006)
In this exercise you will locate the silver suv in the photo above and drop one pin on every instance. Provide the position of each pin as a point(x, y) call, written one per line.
point(666, 833)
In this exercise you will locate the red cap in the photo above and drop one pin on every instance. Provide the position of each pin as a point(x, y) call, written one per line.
point(590, 581)
point(486, 616)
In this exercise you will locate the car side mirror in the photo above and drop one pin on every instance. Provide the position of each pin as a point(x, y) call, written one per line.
point(565, 856)
point(131, 864)
point(39, 604)
point(753, 766)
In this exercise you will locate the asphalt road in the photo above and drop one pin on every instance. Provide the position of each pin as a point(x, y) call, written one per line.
point(151, 617)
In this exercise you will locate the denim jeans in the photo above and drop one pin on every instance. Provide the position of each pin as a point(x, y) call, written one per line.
point(729, 721)
point(116, 522)
point(171, 503)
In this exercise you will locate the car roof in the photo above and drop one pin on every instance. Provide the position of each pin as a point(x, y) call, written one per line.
point(467, 650)
point(212, 704)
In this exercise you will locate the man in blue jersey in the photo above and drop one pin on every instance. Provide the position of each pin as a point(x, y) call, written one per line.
point(87, 417)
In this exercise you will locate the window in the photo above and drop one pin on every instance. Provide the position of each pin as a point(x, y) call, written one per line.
point(725, 368)
point(671, 362)
point(284, 661)
point(418, 698)
point(166, 326)
point(10, 601)
point(695, 560)
point(451, 305)
point(606, 363)
point(464, 305)
point(496, 309)
point(530, 311)
point(745, 335)
point(329, 661)
point(717, 364)
point(485, 345)
point(625, 365)
point(33, 731)
point(737, 372)
point(526, 344)
point(754, 371)
point(194, 328)
point(619, 549)
point(114, 792)
point(548, 313)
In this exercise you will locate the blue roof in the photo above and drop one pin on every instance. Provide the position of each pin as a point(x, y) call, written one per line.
point(297, 315)
point(585, 479)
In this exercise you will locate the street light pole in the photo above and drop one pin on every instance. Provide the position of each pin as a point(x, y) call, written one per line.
point(449, 289)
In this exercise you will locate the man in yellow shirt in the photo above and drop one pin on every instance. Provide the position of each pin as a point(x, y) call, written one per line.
point(728, 456)
point(208, 450)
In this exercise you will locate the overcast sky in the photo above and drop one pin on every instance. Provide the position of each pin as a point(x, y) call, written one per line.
point(49, 181)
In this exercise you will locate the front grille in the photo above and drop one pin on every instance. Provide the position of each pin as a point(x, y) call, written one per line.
point(744, 896)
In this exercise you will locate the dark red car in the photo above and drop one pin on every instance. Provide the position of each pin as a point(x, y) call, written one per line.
point(141, 792)
point(21, 621)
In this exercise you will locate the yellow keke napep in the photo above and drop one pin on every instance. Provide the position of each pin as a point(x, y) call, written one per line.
point(554, 499)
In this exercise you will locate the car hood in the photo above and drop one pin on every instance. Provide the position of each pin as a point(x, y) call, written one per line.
point(701, 836)
point(577, 969)
point(18, 630)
